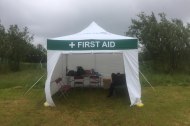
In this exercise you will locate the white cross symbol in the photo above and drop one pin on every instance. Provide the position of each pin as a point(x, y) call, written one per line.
point(71, 45)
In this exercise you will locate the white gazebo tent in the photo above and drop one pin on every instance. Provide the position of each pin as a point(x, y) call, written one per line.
point(94, 47)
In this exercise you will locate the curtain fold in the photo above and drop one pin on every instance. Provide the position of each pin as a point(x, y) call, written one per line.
point(131, 65)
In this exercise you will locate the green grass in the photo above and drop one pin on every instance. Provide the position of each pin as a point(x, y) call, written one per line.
point(158, 78)
point(28, 75)
point(167, 106)
point(161, 79)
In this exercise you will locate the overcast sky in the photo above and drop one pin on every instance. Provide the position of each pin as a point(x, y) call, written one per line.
point(55, 18)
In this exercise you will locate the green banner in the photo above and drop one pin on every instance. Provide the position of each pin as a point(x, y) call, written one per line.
point(92, 44)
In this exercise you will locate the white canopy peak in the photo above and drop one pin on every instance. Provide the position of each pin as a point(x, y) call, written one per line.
point(93, 28)
point(93, 31)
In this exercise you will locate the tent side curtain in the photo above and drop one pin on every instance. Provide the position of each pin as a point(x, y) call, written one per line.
point(132, 75)
point(73, 45)
point(58, 72)
point(51, 63)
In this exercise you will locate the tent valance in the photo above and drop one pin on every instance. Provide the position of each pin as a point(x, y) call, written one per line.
point(92, 44)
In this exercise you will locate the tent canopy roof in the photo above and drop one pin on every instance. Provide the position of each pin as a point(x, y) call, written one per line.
point(92, 38)
point(93, 31)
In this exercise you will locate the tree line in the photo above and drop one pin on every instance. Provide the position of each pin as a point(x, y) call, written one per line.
point(16, 47)
point(165, 42)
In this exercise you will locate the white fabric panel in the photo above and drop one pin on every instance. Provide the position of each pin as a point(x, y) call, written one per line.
point(109, 63)
point(105, 64)
point(132, 75)
point(64, 65)
point(51, 62)
point(57, 72)
point(93, 31)
point(87, 61)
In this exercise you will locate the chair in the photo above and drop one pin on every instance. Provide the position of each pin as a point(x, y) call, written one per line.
point(63, 88)
point(78, 80)
point(121, 86)
point(118, 85)
point(95, 80)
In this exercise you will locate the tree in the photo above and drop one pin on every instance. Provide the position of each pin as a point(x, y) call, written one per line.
point(166, 41)
point(3, 46)
point(17, 41)
point(42, 53)
point(36, 54)
point(16, 47)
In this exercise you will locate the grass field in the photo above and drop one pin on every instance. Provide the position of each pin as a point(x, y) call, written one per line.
point(167, 106)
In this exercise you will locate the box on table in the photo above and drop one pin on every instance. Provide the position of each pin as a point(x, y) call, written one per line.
point(106, 83)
